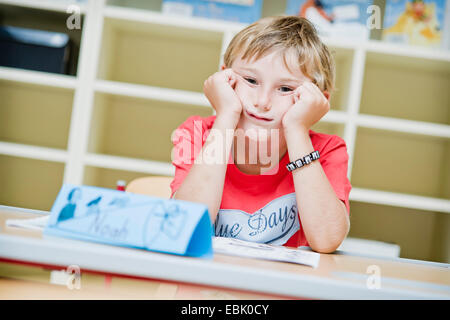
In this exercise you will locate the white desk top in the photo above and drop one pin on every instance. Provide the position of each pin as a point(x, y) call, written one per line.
point(338, 276)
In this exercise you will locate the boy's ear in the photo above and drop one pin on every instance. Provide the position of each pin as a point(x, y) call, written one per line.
point(223, 67)
point(327, 95)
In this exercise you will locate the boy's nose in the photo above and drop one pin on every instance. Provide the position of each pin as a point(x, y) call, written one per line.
point(263, 100)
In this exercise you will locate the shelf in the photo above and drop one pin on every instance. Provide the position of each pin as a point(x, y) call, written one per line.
point(28, 113)
point(420, 235)
point(30, 14)
point(400, 200)
point(155, 6)
point(406, 87)
point(32, 152)
point(107, 178)
point(29, 183)
point(145, 167)
point(158, 55)
point(154, 93)
point(402, 163)
point(137, 128)
point(147, 12)
point(37, 77)
point(150, 12)
point(419, 53)
point(408, 126)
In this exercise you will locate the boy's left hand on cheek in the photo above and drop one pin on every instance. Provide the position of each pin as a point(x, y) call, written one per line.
point(309, 106)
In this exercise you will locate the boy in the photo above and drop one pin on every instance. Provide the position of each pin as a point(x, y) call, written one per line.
point(276, 78)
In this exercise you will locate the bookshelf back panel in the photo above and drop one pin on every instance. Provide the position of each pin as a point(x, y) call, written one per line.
point(156, 55)
point(29, 183)
point(400, 162)
point(137, 128)
point(406, 88)
point(343, 59)
point(28, 114)
point(420, 234)
point(329, 128)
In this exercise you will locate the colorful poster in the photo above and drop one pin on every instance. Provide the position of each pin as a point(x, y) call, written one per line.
point(244, 11)
point(414, 22)
point(334, 19)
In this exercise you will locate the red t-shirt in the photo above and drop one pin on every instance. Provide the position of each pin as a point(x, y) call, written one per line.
point(260, 208)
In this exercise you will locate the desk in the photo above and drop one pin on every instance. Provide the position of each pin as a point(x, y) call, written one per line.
point(110, 272)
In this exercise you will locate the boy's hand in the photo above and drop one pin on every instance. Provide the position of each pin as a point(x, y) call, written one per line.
point(219, 89)
point(310, 105)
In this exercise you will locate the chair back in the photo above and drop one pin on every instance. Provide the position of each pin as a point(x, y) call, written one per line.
point(157, 186)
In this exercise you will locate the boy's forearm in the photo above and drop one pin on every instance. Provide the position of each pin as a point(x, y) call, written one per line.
point(205, 180)
point(324, 217)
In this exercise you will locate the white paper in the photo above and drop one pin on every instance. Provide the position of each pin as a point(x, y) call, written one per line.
point(32, 224)
point(248, 249)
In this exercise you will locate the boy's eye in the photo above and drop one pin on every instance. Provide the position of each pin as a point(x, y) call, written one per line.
point(250, 80)
point(285, 89)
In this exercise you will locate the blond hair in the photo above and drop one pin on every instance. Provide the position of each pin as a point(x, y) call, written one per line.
point(287, 34)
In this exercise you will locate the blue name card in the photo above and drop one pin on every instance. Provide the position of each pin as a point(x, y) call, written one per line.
point(131, 220)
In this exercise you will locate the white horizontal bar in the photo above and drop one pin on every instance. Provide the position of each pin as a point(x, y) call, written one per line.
point(147, 16)
point(33, 152)
point(335, 116)
point(342, 43)
point(154, 93)
point(129, 164)
point(53, 5)
point(407, 51)
point(389, 48)
point(38, 78)
point(400, 200)
point(179, 96)
point(403, 125)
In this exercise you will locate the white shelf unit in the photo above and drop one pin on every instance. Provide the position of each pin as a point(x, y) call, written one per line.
point(140, 74)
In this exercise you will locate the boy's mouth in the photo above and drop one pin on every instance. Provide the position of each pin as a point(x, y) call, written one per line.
point(257, 117)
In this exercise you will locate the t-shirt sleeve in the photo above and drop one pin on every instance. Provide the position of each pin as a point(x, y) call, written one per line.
point(188, 140)
point(334, 161)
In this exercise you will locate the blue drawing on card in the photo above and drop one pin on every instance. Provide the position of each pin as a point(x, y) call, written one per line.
point(93, 206)
point(138, 221)
point(120, 202)
point(68, 211)
point(164, 221)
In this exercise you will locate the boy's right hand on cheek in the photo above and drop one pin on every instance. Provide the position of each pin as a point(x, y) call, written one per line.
point(219, 90)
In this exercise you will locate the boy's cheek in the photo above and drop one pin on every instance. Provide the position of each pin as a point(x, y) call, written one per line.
point(282, 104)
point(244, 93)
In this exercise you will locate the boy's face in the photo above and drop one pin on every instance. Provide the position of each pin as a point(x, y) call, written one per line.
point(266, 88)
